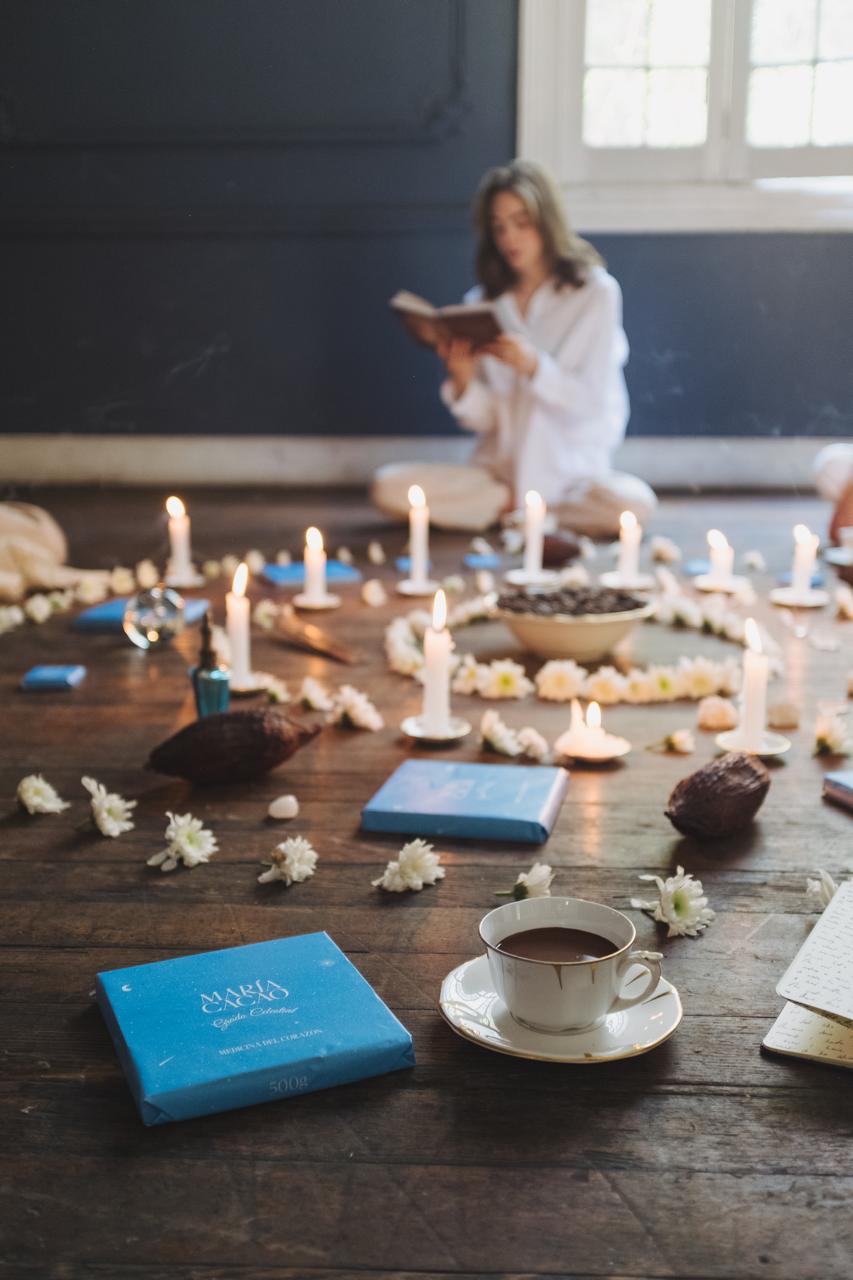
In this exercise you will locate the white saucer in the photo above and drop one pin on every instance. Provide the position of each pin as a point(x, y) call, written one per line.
point(613, 578)
point(811, 599)
point(772, 744)
point(472, 1007)
point(520, 578)
point(407, 587)
point(185, 580)
point(841, 557)
point(457, 728)
point(615, 749)
point(720, 586)
point(328, 601)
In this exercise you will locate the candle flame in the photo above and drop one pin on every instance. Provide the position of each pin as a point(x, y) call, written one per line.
point(802, 533)
point(627, 520)
point(314, 539)
point(439, 611)
point(593, 716)
point(717, 540)
point(753, 636)
point(175, 508)
point(241, 578)
point(533, 500)
point(417, 497)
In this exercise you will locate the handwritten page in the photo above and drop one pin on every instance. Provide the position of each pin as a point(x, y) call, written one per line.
point(806, 1034)
point(821, 974)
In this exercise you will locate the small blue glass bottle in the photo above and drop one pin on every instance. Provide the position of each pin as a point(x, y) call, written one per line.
point(211, 683)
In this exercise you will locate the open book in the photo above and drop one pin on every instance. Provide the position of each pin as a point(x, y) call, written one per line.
point(429, 325)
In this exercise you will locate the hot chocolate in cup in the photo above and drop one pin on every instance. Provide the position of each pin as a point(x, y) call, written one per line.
point(551, 992)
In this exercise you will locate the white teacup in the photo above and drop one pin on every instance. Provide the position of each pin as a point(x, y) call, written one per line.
point(572, 995)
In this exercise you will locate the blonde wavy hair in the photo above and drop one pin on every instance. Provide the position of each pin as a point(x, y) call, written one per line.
point(569, 257)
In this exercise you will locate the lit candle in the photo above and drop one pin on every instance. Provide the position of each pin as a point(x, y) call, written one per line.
point(180, 558)
point(437, 647)
point(534, 530)
point(586, 739)
point(630, 533)
point(756, 668)
point(722, 556)
point(237, 626)
point(315, 567)
point(418, 535)
point(806, 544)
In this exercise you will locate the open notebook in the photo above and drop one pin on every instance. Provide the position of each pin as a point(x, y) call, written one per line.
point(817, 1022)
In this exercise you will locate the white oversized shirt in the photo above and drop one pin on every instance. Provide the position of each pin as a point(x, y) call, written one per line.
point(561, 426)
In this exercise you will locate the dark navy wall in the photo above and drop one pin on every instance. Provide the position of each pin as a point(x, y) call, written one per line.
point(205, 204)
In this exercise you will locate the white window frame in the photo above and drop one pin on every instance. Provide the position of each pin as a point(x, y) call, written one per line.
point(723, 185)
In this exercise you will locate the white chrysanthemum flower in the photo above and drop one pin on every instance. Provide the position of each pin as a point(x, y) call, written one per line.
point(823, 889)
point(687, 613)
point(468, 675)
point(11, 616)
point(482, 547)
point(730, 673)
point(254, 561)
point(404, 657)
point(277, 690)
point(680, 741)
point(663, 610)
point(110, 811)
point(714, 612)
point(314, 695)
point(681, 904)
point(283, 558)
point(497, 736)
point(734, 628)
point(60, 600)
point(664, 683)
point(344, 555)
point(477, 609)
point(574, 575)
point(354, 710)
point(587, 548)
point(416, 865)
point(283, 808)
point(454, 584)
point(535, 883)
point(38, 608)
point(605, 686)
point(639, 687)
point(560, 680)
point(533, 744)
point(230, 564)
point(783, 715)
point(148, 575)
point(212, 569)
point(92, 588)
point(292, 861)
point(716, 714)
point(503, 678)
point(698, 677)
point(373, 593)
point(664, 550)
point(668, 584)
point(376, 553)
point(844, 601)
point(830, 735)
point(122, 581)
point(264, 614)
point(189, 842)
point(484, 581)
point(36, 795)
point(754, 561)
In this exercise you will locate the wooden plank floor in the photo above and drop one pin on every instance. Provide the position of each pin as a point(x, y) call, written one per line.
point(704, 1158)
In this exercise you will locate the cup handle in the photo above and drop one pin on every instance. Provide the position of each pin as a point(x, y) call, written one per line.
point(651, 961)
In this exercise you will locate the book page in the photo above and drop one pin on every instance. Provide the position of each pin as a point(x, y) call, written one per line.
point(806, 1034)
point(821, 974)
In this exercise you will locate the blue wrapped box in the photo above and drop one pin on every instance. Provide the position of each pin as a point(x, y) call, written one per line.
point(470, 801)
point(54, 677)
point(109, 616)
point(293, 575)
point(227, 1029)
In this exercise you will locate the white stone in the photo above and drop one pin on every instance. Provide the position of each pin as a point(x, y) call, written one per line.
point(284, 807)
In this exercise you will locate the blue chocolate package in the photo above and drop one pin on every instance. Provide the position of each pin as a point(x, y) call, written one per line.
point(54, 677)
point(293, 575)
point(225, 1029)
point(109, 616)
point(471, 801)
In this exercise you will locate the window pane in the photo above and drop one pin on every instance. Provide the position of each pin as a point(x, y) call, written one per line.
point(680, 33)
point(833, 104)
point(783, 30)
point(677, 108)
point(613, 108)
point(779, 111)
point(616, 32)
point(836, 29)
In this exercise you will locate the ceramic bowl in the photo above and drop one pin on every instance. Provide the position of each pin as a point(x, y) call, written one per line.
point(586, 637)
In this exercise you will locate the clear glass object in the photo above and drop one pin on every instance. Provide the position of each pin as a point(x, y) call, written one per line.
point(154, 617)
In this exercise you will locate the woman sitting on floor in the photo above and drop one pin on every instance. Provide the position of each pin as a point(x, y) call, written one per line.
point(548, 396)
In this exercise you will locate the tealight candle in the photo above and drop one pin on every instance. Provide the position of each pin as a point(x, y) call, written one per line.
point(722, 556)
point(438, 644)
point(806, 544)
point(237, 626)
point(534, 531)
point(756, 669)
point(418, 535)
point(180, 557)
point(315, 567)
point(587, 739)
point(630, 534)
